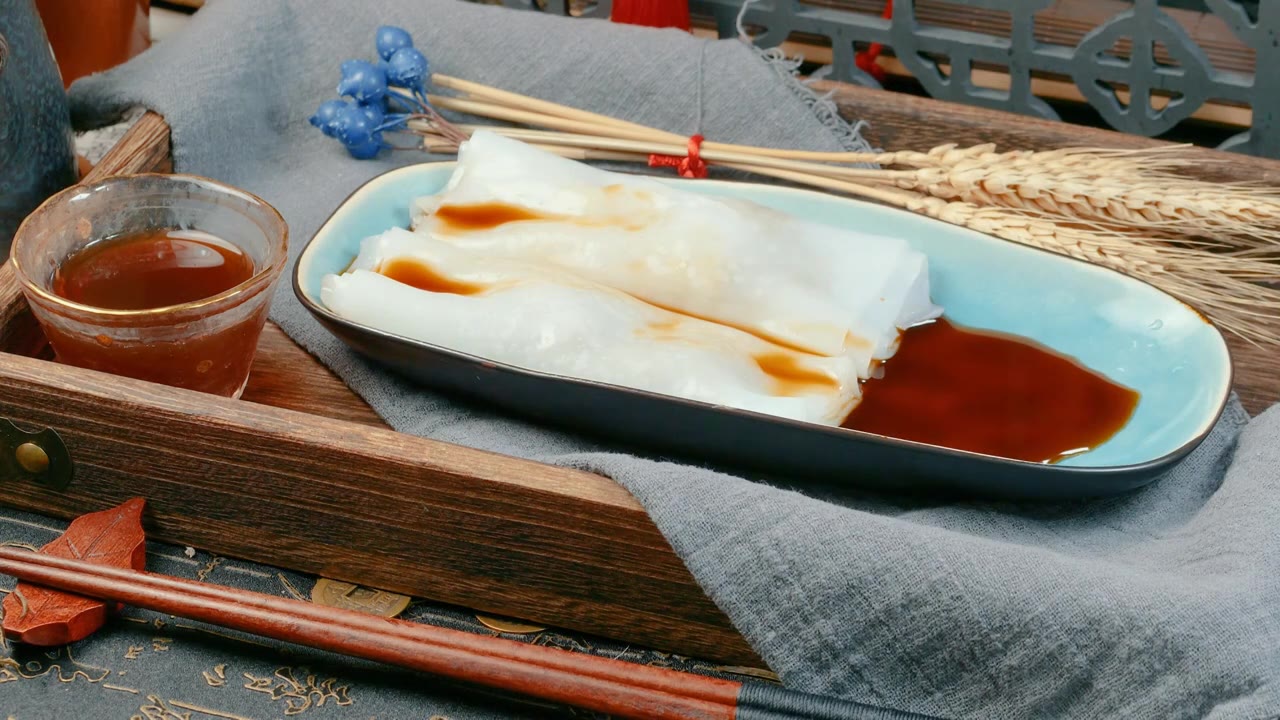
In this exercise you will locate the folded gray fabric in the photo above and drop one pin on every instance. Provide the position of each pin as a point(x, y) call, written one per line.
point(1160, 604)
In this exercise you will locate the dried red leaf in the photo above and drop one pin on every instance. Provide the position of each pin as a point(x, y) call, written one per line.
point(39, 616)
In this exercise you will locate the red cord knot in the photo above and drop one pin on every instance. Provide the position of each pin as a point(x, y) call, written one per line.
point(866, 61)
point(689, 166)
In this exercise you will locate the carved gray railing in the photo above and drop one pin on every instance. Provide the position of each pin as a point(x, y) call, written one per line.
point(921, 48)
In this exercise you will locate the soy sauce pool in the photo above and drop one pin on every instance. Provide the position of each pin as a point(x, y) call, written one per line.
point(152, 269)
point(991, 393)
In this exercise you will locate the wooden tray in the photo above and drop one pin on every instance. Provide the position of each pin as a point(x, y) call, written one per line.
point(302, 474)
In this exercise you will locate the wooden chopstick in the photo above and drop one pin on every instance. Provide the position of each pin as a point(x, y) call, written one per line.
point(614, 687)
point(617, 688)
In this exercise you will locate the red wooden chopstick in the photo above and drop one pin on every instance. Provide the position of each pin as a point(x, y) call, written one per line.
point(621, 689)
point(593, 683)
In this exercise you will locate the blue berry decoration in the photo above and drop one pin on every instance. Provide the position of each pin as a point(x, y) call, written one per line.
point(363, 81)
point(366, 150)
point(359, 125)
point(389, 39)
point(374, 111)
point(353, 126)
point(407, 68)
point(326, 115)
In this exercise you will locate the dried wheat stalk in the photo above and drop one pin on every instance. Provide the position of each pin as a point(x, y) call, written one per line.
point(1234, 217)
point(1223, 287)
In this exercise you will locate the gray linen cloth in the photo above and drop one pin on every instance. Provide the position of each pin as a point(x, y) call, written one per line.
point(1160, 604)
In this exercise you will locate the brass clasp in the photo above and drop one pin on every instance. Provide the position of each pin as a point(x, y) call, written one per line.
point(36, 456)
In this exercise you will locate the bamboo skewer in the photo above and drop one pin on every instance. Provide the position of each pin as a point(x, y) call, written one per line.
point(713, 155)
point(501, 112)
point(614, 687)
point(518, 101)
point(479, 93)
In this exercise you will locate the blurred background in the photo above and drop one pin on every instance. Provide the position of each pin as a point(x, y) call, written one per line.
point(92, 35)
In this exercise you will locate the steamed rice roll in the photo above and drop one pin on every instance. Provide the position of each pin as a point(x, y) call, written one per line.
point(545, 319)
point(808, 286)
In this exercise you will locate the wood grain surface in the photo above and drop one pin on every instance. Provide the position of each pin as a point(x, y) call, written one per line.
point(368, 505)
point(302, 473)
point(144, 148)
point(19, 332)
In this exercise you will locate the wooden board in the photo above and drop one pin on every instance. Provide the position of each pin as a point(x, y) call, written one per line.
point(302, 473)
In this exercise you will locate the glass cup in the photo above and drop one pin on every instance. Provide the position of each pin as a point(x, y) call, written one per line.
point(206, 345)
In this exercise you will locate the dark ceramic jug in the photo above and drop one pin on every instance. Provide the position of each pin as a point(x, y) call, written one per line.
point(37, 147)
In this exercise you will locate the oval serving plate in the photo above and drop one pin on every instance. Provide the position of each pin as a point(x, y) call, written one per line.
point(1123, 328)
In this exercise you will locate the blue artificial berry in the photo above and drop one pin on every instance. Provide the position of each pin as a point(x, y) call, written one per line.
point(367, 149)
point(389, 39)
point(407, 68)
point(363, 81)
point(353, 126)
point(375, 111)
point(326, 115)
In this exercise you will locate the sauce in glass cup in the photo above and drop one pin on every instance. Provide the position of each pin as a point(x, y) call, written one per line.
point(166, 278)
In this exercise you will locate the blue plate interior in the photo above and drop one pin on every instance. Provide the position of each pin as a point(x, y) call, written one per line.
point(1131, 332)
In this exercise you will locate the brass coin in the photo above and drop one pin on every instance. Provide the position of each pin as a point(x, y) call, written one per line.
point(32, 458)
point(335, 593)
point(507, 625)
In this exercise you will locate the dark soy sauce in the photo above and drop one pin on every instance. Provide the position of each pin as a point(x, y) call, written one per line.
point(991, 393)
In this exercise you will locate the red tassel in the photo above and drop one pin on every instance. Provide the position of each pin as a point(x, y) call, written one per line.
point(652, 13)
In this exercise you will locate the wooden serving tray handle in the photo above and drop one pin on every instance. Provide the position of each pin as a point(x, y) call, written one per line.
point(328, 491)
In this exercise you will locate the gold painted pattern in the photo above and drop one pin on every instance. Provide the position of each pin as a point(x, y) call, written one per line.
point(53, 663)
point(156, 709)
point(208, 567)
point(299, 697)
point(216, 678)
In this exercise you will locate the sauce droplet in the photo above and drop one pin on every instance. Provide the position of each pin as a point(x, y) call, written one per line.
point(424, 277)
point(792, 377)
point(483, 216)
